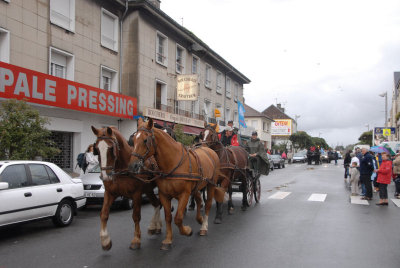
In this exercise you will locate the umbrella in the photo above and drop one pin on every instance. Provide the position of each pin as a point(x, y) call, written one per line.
point(379, 149)
point(387, 147)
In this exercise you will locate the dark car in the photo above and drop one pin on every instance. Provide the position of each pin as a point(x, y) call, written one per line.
point(271, 162)
point(278, 161)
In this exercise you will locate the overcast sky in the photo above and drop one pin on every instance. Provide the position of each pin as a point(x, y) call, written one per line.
point(324, 60)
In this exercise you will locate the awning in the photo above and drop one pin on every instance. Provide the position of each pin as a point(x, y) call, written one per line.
point(186, 129)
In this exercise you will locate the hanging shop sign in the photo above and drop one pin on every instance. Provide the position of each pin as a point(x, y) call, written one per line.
point(35, 87)
point(176, 118)
point(187, 87)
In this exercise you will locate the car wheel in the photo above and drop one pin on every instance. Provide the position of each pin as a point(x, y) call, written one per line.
point(126, 203)
point(64, 214)
point(279, 166)
point(283, 166)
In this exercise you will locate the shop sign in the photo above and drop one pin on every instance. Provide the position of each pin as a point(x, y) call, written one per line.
point(281, 127)
point(169, 117)
point(187, 87)
point(35, 87)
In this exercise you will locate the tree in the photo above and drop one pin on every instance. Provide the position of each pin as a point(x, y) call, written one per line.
point(22, 132)
point(317, 141)
point(301, 139)
point(366, 138)
point(182, 137)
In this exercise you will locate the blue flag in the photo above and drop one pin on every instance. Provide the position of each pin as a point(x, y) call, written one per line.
point(241, 114)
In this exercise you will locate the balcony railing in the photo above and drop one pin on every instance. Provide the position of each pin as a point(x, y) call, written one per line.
point(170, 109)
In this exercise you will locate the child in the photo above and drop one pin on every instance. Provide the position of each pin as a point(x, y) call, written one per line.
point(354, 178)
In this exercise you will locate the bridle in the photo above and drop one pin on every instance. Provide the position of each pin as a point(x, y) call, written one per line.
point(116, 149)
point(214, 133)
point(150, 139)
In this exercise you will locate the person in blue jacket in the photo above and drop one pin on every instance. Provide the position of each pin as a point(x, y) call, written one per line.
point(366, 170)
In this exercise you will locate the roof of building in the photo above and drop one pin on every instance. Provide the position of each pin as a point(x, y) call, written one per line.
point(251, 112)
point(396, 79)
point(197, 45)
point(275, 113)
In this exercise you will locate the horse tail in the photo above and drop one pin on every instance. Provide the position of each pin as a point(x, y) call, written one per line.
point(219, 194)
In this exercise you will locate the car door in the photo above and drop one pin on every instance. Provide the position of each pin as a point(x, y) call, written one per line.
point(45, 193)
point(15, 202)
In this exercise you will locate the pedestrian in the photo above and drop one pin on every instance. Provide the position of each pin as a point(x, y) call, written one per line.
point(374, 176)
point(384, 178)
point(346, 163)
point(228, 138)
point(354, 178)
point(290, 157)
point(336, 157)
point(91, 159)
point(284, 155)
point(366, 169)
point(396, 175)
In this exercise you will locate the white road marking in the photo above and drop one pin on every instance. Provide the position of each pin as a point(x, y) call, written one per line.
point(279, 195)
point(396, 202)
point(357, 200)
point(317, 197)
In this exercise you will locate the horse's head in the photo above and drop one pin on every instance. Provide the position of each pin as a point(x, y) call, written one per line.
point(210, 135)
point(144, 144)
point(107, 148)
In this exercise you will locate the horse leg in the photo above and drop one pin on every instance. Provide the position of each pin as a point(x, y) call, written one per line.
point(230, 203)
point(244, 190)
point(192, 204)
point(137, 201)
point(156, 223)
point(197, 197)
point(166, 203)
point(106, 243)
point(218, 215)
point(210, 197)
point(182, 203)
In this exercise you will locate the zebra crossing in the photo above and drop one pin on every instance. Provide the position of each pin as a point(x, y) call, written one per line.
point(317, 197)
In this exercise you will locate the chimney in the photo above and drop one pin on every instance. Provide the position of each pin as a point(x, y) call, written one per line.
point(280, 107)
point(155, 3)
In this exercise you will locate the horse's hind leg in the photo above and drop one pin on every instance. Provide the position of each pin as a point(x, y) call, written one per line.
point(166, 202)
point(230, 203)
point(136, 216)
point(106, 243)
point(156, 223)
point(192, 204)
point(182, 203)
point(210, 197)
point(218, 216)
point(197, 197)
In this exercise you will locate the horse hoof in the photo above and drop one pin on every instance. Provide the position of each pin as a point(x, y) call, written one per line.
point(135, 246)
point(203, 232)
point(158, 231)
point(166, 246)
point(231, 211)
point(217, 221)
point(152, 232)
point(107, 247)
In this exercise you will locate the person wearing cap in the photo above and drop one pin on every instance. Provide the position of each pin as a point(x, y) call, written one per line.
point(227, 137)
point(256, 148)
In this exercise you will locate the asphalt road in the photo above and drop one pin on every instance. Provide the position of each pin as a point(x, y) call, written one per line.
point(289, 231)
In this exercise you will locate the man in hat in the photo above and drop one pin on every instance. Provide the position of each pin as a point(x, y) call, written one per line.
point(227, 137)
point(256, 151)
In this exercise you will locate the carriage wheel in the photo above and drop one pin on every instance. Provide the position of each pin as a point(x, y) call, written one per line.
point(257, 189)
point(250, 191)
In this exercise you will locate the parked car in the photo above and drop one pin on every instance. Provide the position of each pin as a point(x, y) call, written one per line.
point(299, 158)
point(271, 162)
point(31, 190)
point(94, 190)
point(278, 161)
point(324, 158)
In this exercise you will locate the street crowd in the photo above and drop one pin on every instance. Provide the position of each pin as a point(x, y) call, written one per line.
point(368, 172)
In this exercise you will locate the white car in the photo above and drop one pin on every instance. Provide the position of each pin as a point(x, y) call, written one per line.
point(299, 158)
point(31, 190)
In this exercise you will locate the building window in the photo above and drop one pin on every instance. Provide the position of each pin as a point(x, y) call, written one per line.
point(236, 97)
point(109, 30)
point(62, 13)
point(219, 82)
point(161, 96)
point(254, 124)
point(108, 79)
point(195, 65)
point(235, 117)
point(265, 127)
point(228, 87)
point(207, 82)
point(195, 109)
point(61, 64)
point(207, 108)
point(4, 45)
point(161, 49)
point(227, 114)
point(180, 59)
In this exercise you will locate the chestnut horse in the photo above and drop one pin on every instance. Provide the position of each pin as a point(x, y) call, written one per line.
point(114, 158)
point(182, 171)
point(234, 165)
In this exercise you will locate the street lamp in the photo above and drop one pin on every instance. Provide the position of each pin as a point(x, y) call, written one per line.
point(385, 95)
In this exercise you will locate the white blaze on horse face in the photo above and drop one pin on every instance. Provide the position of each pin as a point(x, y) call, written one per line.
point(103, 147)
point(206, 134)
point(165, 131)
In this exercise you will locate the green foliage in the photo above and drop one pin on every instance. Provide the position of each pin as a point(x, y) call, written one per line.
point(316, 141)
point(281, 147)
point(22, 132)
point(302, 139)
point(366, 138)
point(182, 137)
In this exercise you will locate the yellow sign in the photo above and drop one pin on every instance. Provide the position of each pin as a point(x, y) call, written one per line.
point(217, 113)
point(386, 132)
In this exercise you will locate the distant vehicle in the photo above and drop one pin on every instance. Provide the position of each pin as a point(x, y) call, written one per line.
point(94, 190)
point(339, 155)
point(271, 162)
point(31, 190)
point(325, 158)
point(278, 161)
point(297, 157)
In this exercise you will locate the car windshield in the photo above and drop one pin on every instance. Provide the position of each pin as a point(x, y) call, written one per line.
point(95, 169)
point(298, 155)
point(276, 156)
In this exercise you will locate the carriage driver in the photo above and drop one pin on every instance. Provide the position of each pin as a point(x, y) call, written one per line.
point(255, 148)
point(228, 138)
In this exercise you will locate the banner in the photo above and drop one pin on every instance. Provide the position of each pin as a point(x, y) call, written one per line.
point(35, 87)
point(381, 134)
point(241, 112)
point(176, 118)
point(187, 87)
point(281, 127)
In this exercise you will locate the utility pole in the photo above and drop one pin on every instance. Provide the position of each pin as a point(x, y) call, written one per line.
point(386, 104)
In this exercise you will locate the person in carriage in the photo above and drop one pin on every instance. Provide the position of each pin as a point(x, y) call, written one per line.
point(228, 138)
point(258, 159)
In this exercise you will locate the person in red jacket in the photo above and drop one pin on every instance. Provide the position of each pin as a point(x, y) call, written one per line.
point(384, 178)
